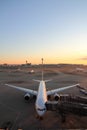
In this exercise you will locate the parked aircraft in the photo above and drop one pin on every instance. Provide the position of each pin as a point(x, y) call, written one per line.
point(41, 95)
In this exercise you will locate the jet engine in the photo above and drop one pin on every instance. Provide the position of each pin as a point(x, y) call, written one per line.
point(48, 97)
point(27, 96)
point(56, 97)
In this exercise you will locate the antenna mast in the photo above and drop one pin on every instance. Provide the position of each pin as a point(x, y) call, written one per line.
point(42, 68)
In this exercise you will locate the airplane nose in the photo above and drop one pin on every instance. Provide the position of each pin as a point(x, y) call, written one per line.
point(40, 113)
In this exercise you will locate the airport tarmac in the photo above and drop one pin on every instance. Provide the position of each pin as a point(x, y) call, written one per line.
point(18, 113)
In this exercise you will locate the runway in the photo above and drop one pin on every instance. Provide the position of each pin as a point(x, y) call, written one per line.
point(22, 114)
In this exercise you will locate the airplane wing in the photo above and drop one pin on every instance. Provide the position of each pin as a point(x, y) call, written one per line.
point(33, 92)
point(50, 92)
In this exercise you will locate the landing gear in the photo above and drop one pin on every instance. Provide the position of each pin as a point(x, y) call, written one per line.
point(39, 117)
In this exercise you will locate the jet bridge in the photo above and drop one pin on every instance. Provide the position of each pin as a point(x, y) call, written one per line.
point(69, 104)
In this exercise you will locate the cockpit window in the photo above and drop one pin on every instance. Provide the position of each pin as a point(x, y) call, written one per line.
point(41, 109)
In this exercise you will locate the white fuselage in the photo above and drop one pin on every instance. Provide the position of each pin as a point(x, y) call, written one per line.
point(41, 99)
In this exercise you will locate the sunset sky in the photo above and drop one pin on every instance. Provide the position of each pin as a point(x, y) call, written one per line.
point(53, 29)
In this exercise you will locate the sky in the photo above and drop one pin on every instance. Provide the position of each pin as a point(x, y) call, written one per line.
point(53, 29)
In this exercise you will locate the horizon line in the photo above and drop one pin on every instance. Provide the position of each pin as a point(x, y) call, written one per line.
point(44, 64)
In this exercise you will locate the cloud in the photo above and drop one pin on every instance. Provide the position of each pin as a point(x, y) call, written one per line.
point(83, 58)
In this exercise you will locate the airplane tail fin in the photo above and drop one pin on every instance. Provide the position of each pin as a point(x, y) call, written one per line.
point(42, 75)
point(42, 69)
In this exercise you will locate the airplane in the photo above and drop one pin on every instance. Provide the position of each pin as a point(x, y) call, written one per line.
point(41, 95)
